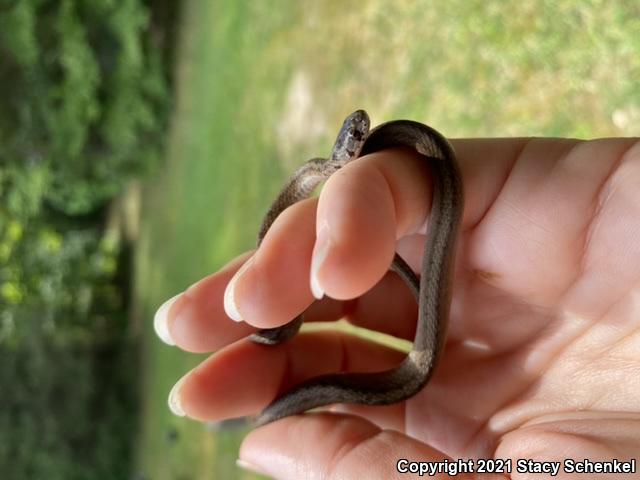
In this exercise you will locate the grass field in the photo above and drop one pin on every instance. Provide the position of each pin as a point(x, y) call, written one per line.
point(261, 86)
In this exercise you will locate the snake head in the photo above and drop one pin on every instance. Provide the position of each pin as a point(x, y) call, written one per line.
point(350, 139)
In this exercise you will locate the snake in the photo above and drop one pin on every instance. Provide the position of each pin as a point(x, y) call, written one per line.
point(432, 290)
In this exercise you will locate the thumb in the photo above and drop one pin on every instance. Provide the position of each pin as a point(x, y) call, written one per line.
point(329, 446)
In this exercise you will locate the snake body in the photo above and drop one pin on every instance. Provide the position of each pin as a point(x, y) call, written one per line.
point(432, 291)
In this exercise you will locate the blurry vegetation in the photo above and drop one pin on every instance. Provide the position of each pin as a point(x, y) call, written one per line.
point(83, 101)
point(83, 110)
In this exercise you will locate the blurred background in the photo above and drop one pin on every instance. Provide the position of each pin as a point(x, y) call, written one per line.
point(141, 141)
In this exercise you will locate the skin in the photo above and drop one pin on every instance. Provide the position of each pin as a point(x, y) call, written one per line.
point(543, 353)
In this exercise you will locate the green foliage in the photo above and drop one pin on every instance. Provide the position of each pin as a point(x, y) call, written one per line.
point(84, 106)
point(74, 422)
point(87, 96)
point(85, 110)
point(68, 275)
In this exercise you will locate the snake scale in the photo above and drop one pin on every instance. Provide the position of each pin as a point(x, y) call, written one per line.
point(432, 291)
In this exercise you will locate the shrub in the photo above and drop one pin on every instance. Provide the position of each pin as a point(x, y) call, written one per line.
point(84, 107)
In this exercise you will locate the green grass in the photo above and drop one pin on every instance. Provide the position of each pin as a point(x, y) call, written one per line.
point(248, 71)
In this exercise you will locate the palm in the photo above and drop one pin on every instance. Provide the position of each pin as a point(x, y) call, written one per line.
point(544, 326)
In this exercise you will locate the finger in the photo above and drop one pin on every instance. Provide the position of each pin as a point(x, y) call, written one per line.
point(272, 287)
point(371, 202)
point(195, 319)
point(335, 446)
point(598, 436)
point(229, 385)
point(361, 213)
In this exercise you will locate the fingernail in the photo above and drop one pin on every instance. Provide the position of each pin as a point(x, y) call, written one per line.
point(250, 467)
point(174, 399)
point(230, 305)
point(318, 257)
point(160, 321)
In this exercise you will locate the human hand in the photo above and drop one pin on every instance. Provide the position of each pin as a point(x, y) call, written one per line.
point(543, 351)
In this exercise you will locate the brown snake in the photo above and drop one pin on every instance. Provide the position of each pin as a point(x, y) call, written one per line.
point(432, 291)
